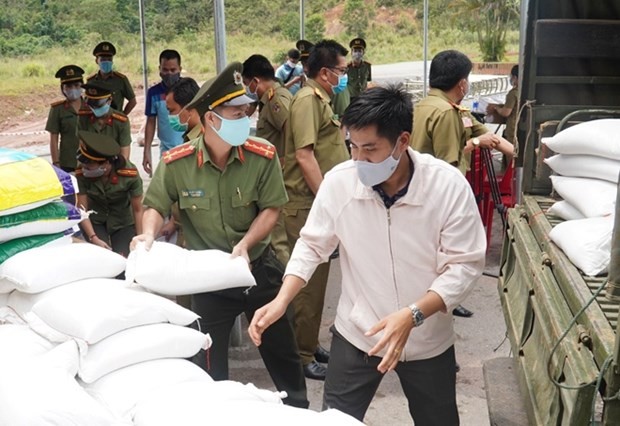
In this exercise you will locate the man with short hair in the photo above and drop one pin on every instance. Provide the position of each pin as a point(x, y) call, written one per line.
point(411, 248)
point(290, 73)
point(509, 109)
point(314, 144)
point(180, 118)
point(117, 83)
point(229, 189)
point(156, 111)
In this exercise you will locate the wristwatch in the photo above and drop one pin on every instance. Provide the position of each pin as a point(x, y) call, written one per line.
point(417, 315)
point(476, 142)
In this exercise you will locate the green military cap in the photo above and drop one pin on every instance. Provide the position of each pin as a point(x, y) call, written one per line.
point(225, 89)
point(96, 90)
point(358, 43)
point(69, 73)
point(105, 48)
point(304, 46)
point(96, 147)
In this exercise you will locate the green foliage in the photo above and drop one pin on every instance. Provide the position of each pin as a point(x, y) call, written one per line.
point(33, 70)
point(315, 27)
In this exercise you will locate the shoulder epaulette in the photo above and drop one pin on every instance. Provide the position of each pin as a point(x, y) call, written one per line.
point(177, 152)
point(318, 92)
point(367, 62)
point(271, 93)
point(93, 75)
point(119, 116)
point(85, 111)
point(119, 74)
point(60, 102)
point(260, 147)
point(459, 107)
point(127, 172)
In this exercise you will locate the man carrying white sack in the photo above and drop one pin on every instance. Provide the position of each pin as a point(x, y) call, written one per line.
point(411, 247)
point(229, 188)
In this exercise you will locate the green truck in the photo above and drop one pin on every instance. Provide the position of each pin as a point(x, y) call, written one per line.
point(562, 325)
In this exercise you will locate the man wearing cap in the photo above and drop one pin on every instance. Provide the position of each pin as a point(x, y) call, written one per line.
point(99, 117)
point(156, 111)
point(273, 110)
point(229, 188)
point(117, 83)
point(290, 73)
point(314, 144)
point(359, 69)
point(62, 120)
point(111, 188)
point(304, 47)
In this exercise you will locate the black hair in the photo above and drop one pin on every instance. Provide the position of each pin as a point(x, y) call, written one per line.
point(184, 90)
point(293, 54)
point(258, 66)
point(324, 54)
point(515, 71)
point(169, 54)
point(389, 109)
point(448, 68)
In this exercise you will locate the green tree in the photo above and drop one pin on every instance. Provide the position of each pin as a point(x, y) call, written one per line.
point(491, 19)
point(355, 17)
point(315, 28)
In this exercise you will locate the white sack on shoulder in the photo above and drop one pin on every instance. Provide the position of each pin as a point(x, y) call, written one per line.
point(592, 197)
point(93, 309)
point(46, 267)
point(565, 210)
point(120, 390)
point(597, 137)
point(586, 166)
point(139, 344)
point(173, 271)
point(586, 242)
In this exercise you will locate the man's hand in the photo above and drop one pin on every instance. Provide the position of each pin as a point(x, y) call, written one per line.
point(146, 161)
point(99, 242)
point(145, 238)
point(396, 329)
point(168, 230)
point(241, 250)
point(488, 140)
point(263, 318)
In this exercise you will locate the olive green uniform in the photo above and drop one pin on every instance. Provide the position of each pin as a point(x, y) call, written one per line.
point(359, 76)
point(115, 124)
point(272, 116)
point(340, 102)
point(217, 209)
point(312, 123)
point(442, 128)
point(193, 133)
point(118, 84)
point(63, 120)
point(511, 102)
point(110, 202)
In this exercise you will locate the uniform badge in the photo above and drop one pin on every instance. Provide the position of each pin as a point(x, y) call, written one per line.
point(192, 193)
point(237, 78)
point(275, 107)
point(467, 122)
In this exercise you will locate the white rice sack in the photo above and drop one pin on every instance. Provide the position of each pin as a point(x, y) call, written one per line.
point(586, 166)
point(19, 342)
point(592, 197)
point(173, 271)
point(597, 137)
point(4, 298)
point(122, 389)
point(565, 210)
point(586, 242)
point(43, 391)
point(46, 267)
point(94, 309)
point(139, 344)
point(188, 410)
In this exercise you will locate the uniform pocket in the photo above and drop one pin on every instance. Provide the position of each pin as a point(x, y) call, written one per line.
point(244, 207)
point(194, 205)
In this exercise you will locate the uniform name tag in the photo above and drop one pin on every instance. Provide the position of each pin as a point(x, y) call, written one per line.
point(467, 122)
point(192, 193)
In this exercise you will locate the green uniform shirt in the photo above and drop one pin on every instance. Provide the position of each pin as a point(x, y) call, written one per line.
point(312, 123)
point(442, 128)
point(273, 112)
point(118, 84)
point(193, 133)
point(511, 121)
point(359, 76)
point(110, 199)
point(340, 102)
point(217, 207)
point(115, 124)
point(63, 120)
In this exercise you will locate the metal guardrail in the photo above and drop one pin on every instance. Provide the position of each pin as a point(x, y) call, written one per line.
point(477, 89)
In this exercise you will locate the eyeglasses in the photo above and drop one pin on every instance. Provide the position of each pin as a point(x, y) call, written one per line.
point(342, 70)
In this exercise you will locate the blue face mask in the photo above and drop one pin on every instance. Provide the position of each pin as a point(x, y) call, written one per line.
point(105, 66)
point(342, 84)
point(233, 132)
point(175, 123)
point(371, 174)
point(73, 94)
point(101, 111)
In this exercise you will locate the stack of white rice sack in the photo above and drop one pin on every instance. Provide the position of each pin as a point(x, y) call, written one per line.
point(587, 165)
point(81, 347)
point(32, 210)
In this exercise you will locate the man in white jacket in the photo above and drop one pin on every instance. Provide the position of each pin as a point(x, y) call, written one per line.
point(411, 247)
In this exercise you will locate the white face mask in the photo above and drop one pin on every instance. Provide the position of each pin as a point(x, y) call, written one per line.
point(371, 174)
